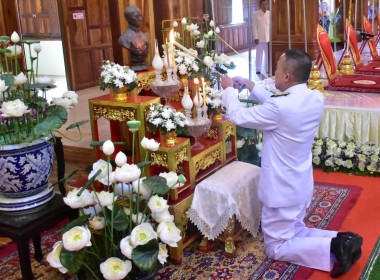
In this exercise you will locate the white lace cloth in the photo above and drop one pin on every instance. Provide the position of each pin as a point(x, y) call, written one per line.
point(232, 190)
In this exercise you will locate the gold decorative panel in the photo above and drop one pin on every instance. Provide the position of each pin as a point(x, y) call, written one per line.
point(114, 114)
point(212, 133)
point(159, 159)
point(208, 160)
point(229, 130)
point(181, 156)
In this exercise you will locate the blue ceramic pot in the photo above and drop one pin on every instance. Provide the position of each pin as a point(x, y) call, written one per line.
point(25, 168)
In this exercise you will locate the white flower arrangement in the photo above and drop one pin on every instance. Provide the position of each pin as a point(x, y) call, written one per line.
point(185, 63)
point(213, 99)
point(115, 76)
point(132, 229)
point(166, 118)
point(349, 157)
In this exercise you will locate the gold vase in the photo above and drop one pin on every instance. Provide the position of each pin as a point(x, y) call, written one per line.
point(171, 138)
point(120, 93)
point(218, 116)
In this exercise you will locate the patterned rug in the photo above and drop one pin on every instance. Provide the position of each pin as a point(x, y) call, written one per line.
point(331, 204)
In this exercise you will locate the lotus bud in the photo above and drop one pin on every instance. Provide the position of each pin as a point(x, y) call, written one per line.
point(212, 24)
point(108, 148)
point(217, 30)
point(120, 159)
point(175, 24)
point(210, 33)
point(182, 179)
point(37, 47)
point(15, 38)
point(184, 21)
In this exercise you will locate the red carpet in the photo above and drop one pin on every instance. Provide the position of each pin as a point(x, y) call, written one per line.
point(331, 204)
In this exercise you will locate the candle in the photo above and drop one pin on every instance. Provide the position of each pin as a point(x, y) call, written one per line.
point(204, 91)
point(196, 82)
point(167, 53)
point(171, 38)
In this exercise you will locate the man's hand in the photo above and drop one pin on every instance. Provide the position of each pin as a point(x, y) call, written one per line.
point(256, 41)
point(241, 83)
point(226, 82)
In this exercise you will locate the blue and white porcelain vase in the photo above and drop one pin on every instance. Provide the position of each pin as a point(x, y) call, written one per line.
point(25, 171)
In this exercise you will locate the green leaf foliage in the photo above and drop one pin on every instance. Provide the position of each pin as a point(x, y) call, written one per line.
point(77, 124)
point(57, 111)
point(46, 126)
point(120, 219)
point(157, 184)
point(8, 79)
point(143, 164)
point(38, 102)
point(72, 260)
point(77, 222)
point(145, 256)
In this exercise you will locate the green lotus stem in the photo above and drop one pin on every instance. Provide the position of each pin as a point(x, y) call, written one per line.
point(108, 173)
point(133, 148)
point(93, 253)
point(6, 61)
point(183, 34)
point(37, 66)
point(113, 207)
point(31, 66)
point(1, 67)
point(71, 139)
point(89, 269)
point(138, 191)
point(16, 59)
point(130, 212)
point(11, 65)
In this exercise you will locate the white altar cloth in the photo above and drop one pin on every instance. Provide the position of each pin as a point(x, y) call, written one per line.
point(232, 190)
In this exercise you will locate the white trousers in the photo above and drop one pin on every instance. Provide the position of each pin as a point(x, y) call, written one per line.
point(287, 239)
point(261, 48)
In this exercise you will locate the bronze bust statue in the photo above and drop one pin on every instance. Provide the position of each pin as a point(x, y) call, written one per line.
point(134, 40)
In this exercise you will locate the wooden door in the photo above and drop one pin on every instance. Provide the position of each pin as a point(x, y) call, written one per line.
point(87, 41)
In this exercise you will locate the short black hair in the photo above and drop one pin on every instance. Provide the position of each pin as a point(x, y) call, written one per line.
point(261, 1)
point(299, 64)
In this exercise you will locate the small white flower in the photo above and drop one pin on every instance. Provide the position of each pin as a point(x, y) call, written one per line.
point(317, 150)
point(157, 204)
point(96, 223)
point(361, 166)
point(331, 144)
point(103, 166)
point(127, 173)
point(169, 233)
point(374, 158)
point(64, 102)
point(14, 37)
point(208, 60)
point(183, 21)
point(15, 108)
point(20, 79)
point(210, 33)
point(145, 191)
point(217, 30)
point(162, 253)
point(120, 159)
point(196, 32)
point(126, 247)
point(106, 198)
point(53, 257)
point(200, 44)
point(348, 163)
point(74, 201)
point(45, 80)
point(341, 144)
point(115, 269)
point(316, 160)
point(76, 238)
point(351, 145)
point(212, 24)
point(37, 47)
point(319, 142)
point(108, 180)
point(2, 86)
point(108, 148)
point(175, 24)
point(349, 153)
point(150, 144)
point(362, 157)
point(171, 179)
point(142, 234)
point(162, 216)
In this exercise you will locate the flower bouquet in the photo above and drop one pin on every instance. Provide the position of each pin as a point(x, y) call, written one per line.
point(125, 224)
point(117, 77)
point(214, 100)
point(166, 119)
point(26, 114)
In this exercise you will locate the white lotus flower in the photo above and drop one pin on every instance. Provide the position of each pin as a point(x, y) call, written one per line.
point(53, 257)
point(142, 234)
point(37, 47)
point(14, 37)
point(169, 233)
point(183, 21)
point(108, 180)
point(14, 108)
point(160, 217)
point(115, 269)
point(65, 103)
point(210, 33)
point(14, 50)
point(150, 144)
point(105, 198)
point(145, 191)
point(127, 173)
point(217, 30)
point(96, 223)
point(76, 238)
point(200, 44)
point(120, 159)
point(45, 80)
point(171, 179)
point(102, 165)
point(74, 201)
point(108, 148)
point(139, 218)
point(196, 32)
point(93, 211)
point(162, 253)
point(20, 79)
point(157, 204)
point(208, 60)
point(2, 86)
point(175, 24)
point(212, 24)
point(126, 247)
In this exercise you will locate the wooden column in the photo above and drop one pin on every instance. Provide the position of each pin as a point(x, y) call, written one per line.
point(280, 27)
point(119, 25)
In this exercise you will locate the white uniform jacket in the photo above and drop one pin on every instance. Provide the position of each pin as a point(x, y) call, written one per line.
point(261, 26)
point(290, 124)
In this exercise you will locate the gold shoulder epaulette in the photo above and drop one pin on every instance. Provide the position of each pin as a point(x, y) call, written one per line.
point(280, 94)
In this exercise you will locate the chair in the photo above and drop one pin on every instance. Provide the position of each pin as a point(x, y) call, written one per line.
point(372, 68)
point(336, 81)
point(24, 227)
point(371, 43)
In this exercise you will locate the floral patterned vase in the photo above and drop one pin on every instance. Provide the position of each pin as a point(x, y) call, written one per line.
point(24, 175)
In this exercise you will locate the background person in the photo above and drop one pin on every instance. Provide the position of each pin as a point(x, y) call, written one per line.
point(261, 24)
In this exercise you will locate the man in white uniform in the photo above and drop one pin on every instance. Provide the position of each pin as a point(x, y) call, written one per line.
point(261, 34)
point(290, 120)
